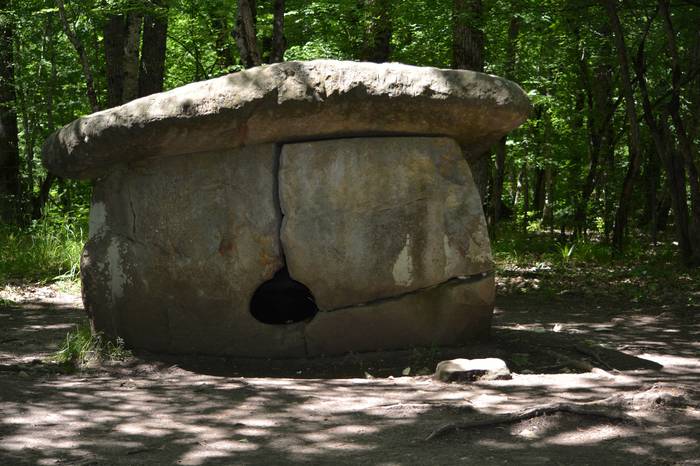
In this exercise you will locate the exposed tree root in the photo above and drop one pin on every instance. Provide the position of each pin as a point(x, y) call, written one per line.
point(594, 354)
point(603, 409)
point(613, 408)
point(566, 361)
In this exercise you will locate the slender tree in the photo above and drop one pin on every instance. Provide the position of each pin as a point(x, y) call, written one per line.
point(279, 44)
point(378, 32)
point(130, 57)
point(152, 63)
point(468, 54)
point(245, 34)
point(114, 32)
point(624, 206)
point(500, 169)
point(82, 55)
point(9, 153)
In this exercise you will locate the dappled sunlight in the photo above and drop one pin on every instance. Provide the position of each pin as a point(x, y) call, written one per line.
point(593, 435)
point(155, 411)
point(193, 418)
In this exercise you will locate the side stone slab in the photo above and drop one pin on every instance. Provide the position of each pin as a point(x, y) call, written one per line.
point(372, 218)
point(178, 246)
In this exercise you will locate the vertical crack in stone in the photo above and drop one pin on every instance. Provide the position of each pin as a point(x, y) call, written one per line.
point(277, 199)
point(133, 212)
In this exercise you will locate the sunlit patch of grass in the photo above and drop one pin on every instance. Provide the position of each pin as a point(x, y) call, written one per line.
point(43, 252)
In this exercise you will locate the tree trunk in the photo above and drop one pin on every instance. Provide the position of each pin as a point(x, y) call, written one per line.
point(152, 65)
point(652, 176)
point(548, 208)
point(9, 149)
point(468, 54)
point(224, 51)
point(609, 193)
point(279, 44)
point(675, 169)
point(80, 49)
point(377, 36)
point(39, 201)
point(132, 39)
point(525, 193)
point(685, 143)
point(540, 191)
point(664, 208)
point(497, 185)
point(624, 206)
point(245, 34)
point(113, 32)
point(600, 110)
point(501, 148)
point(467, 36)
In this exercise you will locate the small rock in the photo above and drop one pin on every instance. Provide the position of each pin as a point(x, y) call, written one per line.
point(470, 370)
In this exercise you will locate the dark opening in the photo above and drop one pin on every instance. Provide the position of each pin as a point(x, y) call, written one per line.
point(282, 300)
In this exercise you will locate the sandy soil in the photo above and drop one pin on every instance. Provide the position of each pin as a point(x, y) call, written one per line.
point(359, 408)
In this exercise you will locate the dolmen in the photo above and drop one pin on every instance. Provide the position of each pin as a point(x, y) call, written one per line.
point(290, 210)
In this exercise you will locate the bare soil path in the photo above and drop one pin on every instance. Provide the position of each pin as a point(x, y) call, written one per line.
point(360, 408)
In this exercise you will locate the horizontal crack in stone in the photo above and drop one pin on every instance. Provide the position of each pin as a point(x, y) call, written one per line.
point(459, 279)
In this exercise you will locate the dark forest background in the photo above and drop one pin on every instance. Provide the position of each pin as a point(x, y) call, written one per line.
point(605, 168)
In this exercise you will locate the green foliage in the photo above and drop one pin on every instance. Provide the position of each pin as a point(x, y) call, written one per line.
point(537, 246)
point(559, 47)
point(313, 49)
point(565, 250)
point(82, 346)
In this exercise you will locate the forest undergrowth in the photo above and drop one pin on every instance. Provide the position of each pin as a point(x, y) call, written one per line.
point(545, 265)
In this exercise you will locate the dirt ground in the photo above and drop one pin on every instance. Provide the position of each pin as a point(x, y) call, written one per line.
point(361, 408)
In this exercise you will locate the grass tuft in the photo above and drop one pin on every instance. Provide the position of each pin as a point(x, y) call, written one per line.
point(82, 346)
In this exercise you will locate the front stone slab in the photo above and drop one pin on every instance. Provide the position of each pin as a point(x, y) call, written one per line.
point(178, 246)
point(373, 218)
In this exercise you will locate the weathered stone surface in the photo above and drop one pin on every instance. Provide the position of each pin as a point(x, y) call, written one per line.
point(372, 218)
point(382, 221)
point(178, 246)
point(453, 313)
point(470, 370)
point(292, 101)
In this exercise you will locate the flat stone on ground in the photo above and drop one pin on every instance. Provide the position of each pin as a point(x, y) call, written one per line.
point(470, 370)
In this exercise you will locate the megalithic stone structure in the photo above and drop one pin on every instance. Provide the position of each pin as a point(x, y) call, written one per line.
point(296, 209)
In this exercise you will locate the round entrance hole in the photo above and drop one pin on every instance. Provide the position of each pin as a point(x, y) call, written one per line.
point(282, 300)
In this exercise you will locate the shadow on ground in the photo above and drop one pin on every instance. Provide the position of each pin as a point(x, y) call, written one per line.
point(173, 410)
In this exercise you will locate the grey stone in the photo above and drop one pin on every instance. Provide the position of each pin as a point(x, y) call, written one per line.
point(292, 101)
point(382, 220)
point(177, 247)
point(372, 218)
point(450, 314)
point(470, 370)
